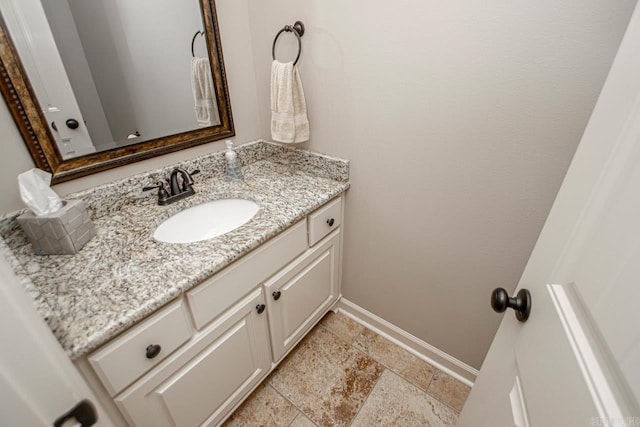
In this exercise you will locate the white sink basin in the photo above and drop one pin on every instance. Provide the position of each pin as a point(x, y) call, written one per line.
point(206, 221)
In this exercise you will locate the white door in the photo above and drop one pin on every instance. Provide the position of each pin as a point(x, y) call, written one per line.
point(576, 360)
point(38, 383)
point(37, 48)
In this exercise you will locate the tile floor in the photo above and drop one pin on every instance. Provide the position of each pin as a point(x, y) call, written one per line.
point(343, 374)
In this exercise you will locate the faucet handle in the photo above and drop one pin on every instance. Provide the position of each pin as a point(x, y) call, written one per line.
point(159, 186)
point(163, 194)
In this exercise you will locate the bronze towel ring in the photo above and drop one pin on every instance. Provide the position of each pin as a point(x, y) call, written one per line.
point(298, 30)
point(193, 41)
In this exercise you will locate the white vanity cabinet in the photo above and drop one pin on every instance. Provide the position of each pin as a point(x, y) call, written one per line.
point(226, 334)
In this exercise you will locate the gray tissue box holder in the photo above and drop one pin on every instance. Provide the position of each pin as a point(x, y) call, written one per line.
point(65, 231)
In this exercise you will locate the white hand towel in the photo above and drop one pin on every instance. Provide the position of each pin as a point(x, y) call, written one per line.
point(204, 94)
point(289, 122)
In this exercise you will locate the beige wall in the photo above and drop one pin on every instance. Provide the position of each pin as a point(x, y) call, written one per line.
point(460, 119)
point(236, 43)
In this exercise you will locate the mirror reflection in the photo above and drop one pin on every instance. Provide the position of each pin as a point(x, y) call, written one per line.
point(112, 73)
point(159, 49)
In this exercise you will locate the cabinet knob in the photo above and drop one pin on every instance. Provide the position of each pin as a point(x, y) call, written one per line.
point(260, 308)
point(276, 295)
point(153, 350)
point(330, 221)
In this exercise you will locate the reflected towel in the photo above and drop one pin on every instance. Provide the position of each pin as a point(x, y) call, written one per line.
point(289, 122)
point(204, 94)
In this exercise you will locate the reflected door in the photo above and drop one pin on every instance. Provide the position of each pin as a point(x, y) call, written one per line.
point(33, 39)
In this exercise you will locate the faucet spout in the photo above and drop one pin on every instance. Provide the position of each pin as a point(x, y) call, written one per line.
point(187, 181)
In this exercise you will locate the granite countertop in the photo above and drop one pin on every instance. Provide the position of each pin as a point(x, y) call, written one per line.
point(123, 274)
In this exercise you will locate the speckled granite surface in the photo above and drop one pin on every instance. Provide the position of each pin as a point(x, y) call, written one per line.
point(123, 274)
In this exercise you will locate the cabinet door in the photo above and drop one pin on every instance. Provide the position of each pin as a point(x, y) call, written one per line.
point(199, 384)
point(302, 293)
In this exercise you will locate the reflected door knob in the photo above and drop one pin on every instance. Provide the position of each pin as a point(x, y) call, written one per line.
point(521, 303)
point(72, 124)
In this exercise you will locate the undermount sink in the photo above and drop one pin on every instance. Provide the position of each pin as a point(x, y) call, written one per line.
point(206, 221)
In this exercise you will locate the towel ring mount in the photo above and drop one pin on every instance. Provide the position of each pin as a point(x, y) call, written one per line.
point(298, 30)
point(193, 41)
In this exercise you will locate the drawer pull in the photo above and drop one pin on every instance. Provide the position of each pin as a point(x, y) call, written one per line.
point(260, 308)
point(276, 295)
point(153, 350)
point(330, 221)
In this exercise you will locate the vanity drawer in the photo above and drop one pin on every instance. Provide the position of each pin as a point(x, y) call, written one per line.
point(325, 220)
point(126, 358)
point(213, 296)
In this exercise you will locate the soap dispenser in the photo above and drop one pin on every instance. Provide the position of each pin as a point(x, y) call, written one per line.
point(234, 173)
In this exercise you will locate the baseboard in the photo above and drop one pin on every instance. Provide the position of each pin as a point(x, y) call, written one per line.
point(430, 354)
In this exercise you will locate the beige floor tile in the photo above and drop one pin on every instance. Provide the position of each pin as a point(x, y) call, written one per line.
point(396, 402)
point(405, 364)
point(265, 407)
point(449, 390)
point(327, 379)
point(342, 326)
point(302, 421)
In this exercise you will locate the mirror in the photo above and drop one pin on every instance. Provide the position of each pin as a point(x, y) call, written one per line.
point(96, 84)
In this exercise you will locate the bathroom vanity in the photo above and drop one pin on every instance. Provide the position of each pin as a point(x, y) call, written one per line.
point(179, 334)
point(208, 349)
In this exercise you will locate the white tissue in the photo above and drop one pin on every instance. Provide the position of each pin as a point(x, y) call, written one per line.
point(36, 193)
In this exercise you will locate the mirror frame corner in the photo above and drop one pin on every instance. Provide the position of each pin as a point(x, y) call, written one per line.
point(32, 125)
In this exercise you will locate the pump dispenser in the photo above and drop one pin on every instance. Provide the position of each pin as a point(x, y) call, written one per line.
point(234, 173)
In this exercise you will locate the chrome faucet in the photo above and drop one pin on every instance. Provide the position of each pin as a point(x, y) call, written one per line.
point(180, 186)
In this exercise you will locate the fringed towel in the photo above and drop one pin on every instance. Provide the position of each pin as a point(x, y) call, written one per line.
point(289, 122)
point(204, 94)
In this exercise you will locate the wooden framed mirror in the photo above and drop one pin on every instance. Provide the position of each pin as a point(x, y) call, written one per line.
point(47, 128)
